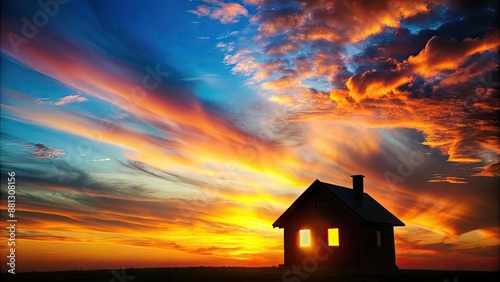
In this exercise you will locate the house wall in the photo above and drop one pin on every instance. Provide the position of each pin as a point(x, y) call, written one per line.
point(373, 256)
point(318, 220)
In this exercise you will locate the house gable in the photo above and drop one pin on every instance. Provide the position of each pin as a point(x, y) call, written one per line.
point(309, 192)
point(366, 210)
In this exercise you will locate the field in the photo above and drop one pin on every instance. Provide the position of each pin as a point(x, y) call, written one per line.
point(242, 274)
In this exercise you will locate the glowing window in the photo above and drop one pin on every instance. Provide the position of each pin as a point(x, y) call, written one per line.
point(305, 238)
point(333, 237)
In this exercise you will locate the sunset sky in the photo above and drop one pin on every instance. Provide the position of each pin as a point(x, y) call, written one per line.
point(174, 133)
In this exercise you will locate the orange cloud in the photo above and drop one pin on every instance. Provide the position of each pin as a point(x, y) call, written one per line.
point(448, 179)
point(338, 21)
point(377, 84)
point(442, 53)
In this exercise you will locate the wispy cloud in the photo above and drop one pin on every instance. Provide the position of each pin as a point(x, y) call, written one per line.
point(228, 34)
point(448, 179)
point(74, 98)
point(101, 160)
point(211, 79)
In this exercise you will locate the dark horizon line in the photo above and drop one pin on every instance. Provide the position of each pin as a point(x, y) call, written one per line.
point(333, 269)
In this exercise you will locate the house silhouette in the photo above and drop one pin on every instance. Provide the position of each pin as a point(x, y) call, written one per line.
point(330, 225)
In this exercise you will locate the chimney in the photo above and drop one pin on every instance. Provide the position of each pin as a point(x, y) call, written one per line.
point(357, 187)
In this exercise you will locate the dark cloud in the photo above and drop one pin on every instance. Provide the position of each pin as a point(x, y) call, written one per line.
point(169, 176)
point(43, 152)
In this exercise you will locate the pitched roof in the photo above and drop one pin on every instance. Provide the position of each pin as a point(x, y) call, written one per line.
point(367, 210)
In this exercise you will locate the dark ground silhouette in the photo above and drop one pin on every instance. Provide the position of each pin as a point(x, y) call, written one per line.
point(243, 274)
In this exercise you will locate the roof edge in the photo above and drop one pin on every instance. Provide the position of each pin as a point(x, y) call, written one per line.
point(293, 206)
